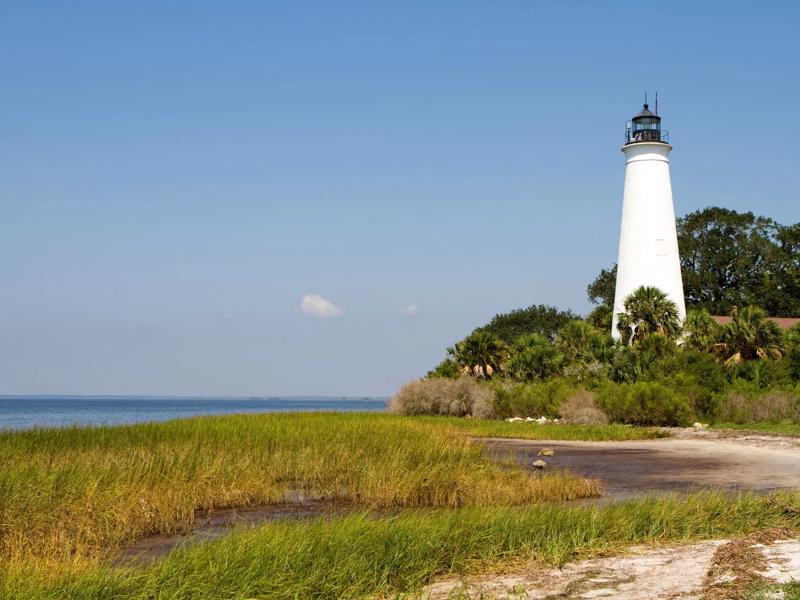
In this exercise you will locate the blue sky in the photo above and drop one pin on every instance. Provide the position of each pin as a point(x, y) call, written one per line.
point(176, 177)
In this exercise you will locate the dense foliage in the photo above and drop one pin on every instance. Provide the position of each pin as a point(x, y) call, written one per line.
point(660, 372)
point(542, 319)
point(728, 259)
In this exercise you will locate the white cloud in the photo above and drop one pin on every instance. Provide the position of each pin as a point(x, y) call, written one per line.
point(409, 310)
point(317, 306)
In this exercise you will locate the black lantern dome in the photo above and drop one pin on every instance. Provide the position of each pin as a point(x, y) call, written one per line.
point(645, 127)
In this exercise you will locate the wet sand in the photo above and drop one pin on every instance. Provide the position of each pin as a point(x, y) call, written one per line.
point(221, 521)
point(670, 465)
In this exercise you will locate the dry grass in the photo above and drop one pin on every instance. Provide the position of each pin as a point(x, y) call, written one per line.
point(738, 566)
point(773, 406)
point(446, 397)
point(580, 408)
point(70, 495)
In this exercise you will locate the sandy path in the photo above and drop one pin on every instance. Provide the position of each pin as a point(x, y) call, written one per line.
point(672, 572)
point(692, 460)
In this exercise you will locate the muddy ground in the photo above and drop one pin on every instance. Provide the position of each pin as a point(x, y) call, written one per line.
point(691, 460)
point(681, 464)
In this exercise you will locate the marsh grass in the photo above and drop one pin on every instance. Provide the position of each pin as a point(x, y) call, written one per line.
point(781, 428)
point(75, 494)
point(358, 556)
point(551, 431)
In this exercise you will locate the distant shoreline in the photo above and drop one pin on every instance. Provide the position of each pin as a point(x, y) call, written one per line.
point(26, 412)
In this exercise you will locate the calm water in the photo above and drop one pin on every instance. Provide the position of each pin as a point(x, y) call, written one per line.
point(29, 411)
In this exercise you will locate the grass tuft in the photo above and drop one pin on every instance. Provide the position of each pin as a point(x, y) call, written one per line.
point(359, 556)
point(74, 494)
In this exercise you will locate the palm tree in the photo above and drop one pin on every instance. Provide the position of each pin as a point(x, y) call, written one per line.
point(648, 311)
point(702, 331)
point(581, 342)
point(533, 356)
point(480, 354)
point(750, 335)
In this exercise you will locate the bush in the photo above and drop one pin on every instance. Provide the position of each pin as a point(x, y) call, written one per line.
point(697, 377)
point(534, 357)
point(644, 403)
point(459, 398)
point(745, 403)
point(764, 373)
point(530, 399)
point(448, 369)
point(580, 408)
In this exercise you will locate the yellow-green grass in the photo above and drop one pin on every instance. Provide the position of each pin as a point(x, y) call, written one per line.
point(75, 494)
point(365, 557)
point(786, 591)
point(554, 431)
point(789, 429)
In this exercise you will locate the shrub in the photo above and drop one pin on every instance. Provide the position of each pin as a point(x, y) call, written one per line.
point(696, 376)
point(534, 357)
point(530, 399)
point(437, 396)
point(580, 408)
point(745, 403)
point(448, 369)
point(764, 373)
point(644, 403)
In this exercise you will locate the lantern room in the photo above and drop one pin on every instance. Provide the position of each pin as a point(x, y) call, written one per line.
point(645, 127)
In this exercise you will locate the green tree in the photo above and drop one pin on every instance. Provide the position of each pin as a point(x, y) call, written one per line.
point(601, 317)
point(702, 332)
point(480, 354)
point(750, 335)
point(533, 356)
point(581, 342)
point(730, 259)
point(447, 369)
point(542, 319)
point(648, 311)
point(601, 290)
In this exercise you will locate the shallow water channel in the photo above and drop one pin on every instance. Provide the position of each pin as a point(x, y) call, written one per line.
point(627, 469)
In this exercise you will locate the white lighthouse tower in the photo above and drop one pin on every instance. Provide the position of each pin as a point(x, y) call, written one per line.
point(648, 241)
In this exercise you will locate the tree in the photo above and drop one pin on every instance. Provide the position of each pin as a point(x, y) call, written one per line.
point(601, 317)
point(542, 319)
point(750, 335)
point(702, 331)
point(648, 311)
point(447, 369)
point(601, 290)
point(730, 259)
point(533, 356)
point(581, 342)
point(480, 354)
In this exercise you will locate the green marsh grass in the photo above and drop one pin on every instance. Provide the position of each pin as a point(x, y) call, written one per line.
point(788, 429)
point(552, 431)
point(361, 557)
point(75, 494)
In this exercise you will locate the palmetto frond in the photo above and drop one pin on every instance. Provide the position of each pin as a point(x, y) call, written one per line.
point(648, 311)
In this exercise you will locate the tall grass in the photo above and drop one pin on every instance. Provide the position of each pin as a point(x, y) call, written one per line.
point(552, 431)
point(358, 556)
point(77, 493)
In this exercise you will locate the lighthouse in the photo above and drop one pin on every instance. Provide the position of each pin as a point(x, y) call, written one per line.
point(648, 241)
